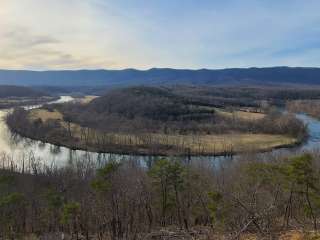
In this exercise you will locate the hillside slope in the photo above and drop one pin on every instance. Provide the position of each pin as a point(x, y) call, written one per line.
point(19, 91)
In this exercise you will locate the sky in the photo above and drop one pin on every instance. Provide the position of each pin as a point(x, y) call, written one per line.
point(117, 34)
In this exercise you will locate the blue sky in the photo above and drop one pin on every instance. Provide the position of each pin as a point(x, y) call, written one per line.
point(116, 34)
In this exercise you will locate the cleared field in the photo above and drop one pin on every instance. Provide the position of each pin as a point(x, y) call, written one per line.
point(87, 99)
point(243, 115)
point(168, 144)
point(45, 115)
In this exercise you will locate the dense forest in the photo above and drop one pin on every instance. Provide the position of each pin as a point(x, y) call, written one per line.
point(156, 105)
point(181, 109)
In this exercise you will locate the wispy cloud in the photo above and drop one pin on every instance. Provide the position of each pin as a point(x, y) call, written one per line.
point(20, 37)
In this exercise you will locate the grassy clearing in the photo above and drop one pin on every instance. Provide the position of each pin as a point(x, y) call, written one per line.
point(204, 144)
point(243, 115)
point(45, 115)
point(87, 99)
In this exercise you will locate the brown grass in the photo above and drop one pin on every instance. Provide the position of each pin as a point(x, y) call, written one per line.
point(45, 115)
point(243, 115)
point(204, 144)
point(87, 99)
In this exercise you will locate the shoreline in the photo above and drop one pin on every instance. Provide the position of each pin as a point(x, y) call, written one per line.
point(123, 151)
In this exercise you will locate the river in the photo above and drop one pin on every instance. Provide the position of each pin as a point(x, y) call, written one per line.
point(19, 151)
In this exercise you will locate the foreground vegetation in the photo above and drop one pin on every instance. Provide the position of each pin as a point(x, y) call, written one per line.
point(160, 121)
point(184, 200)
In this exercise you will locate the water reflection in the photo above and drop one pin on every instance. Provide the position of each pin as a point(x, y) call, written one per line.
point(55, 150)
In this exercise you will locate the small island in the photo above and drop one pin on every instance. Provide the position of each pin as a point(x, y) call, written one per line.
point(146, 120)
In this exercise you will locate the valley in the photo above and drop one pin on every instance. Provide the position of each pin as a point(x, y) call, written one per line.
point(170, 123)
point(159, 120)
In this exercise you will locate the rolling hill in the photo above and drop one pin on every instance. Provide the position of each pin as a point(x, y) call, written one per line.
point(163, 76)
point(20, 92)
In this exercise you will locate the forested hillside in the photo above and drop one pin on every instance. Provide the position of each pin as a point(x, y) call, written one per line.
point(19, 91)
point(170, 199)
point(130, 77)
point(13, 96)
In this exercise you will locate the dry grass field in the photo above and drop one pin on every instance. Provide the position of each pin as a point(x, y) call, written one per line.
point(204, 144)
point(87, 99)
point(243, 115)
point(45, 115)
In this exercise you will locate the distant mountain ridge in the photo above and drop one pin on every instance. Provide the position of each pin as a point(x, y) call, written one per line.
point(162, 76)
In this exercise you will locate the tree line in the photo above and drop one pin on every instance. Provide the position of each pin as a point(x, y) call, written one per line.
point(120, 135)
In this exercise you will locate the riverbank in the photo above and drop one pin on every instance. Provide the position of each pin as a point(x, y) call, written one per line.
point(75, 137)
point(269, 143)
point(310, 107)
